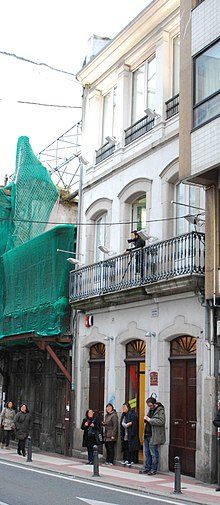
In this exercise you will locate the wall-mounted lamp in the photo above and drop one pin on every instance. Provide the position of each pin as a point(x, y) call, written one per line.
point(108, 338)
point(111, 140)
point(150, 334)
point(194, 219)
point(106, 250)
point(83, 160)
point(151, 113)
point(145, 236)
point(74, 261)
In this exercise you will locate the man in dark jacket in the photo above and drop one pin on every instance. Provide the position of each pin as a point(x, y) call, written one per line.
point(147, 437)
point(157, 422)
point(136, 240)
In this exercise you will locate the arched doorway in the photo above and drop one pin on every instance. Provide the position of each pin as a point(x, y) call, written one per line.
point(135, 380)
point(183, 403)
point(97, 378)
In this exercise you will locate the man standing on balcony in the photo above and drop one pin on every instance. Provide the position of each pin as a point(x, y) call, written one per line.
point(137, 243)
point(135, 240)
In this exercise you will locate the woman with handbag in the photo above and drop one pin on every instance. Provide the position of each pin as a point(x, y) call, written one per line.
point(91, 427)
point(7, 423)
point(23, 425)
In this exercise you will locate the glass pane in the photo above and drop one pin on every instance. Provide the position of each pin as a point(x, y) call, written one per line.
point(151, 83)
point(139, 213)
point(107, 117)
point(100, 237)
point(180, 210)
point(132, 381)
point(138, 94)
point(207, 73)
point(207, 110)
point(115, 121)
point(176, 64)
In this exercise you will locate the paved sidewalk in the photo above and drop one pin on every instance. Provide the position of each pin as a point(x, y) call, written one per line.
point(161, 484)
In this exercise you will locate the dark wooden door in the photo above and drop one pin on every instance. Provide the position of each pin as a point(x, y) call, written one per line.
point(96, 390)
point(183, 414)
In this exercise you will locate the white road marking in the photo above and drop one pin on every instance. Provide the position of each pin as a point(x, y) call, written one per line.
point(94, 502)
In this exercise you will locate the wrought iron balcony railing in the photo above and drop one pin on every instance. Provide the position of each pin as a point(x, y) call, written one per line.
point(104, 152)
point(172, 106)
point(139, 128)
point(180, 256)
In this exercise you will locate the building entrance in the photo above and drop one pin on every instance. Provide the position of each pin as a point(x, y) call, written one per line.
point(183, 404)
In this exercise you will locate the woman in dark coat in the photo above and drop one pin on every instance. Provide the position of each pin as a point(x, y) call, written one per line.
point(90, 425)
point(129, 434)
point(22, 423)
point(111, 433)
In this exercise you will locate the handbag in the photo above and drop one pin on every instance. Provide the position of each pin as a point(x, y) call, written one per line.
point(98, 438)
point(90, 432)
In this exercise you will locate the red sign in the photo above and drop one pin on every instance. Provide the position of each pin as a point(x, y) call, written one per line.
point(153, 378)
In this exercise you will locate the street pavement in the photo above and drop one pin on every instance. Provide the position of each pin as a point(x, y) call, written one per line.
point(161, 484)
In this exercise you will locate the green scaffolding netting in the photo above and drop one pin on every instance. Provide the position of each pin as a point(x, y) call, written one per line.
point(31, 197)
point(34, 287)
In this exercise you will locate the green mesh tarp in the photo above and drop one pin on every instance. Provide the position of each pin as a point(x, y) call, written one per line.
point(34, 285)
point(32, 197)
point(5, 211)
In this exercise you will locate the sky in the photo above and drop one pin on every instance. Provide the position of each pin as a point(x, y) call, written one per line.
point(55, 33)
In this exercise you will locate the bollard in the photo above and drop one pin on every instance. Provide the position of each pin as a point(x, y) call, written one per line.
point(29, 449)
point(177, 470)
point(95, 462)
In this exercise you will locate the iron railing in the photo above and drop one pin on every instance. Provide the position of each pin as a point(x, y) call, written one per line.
point(104, 152)
point(138, 129)
point(179, 256)
point(172, 106)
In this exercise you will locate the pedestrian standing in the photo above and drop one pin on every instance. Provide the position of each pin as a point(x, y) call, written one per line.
point(111, 433)
point(146, 439)
point(7, 423)
point(90, 425)
point(157, 422)
point(129, 434)
point(22, 422)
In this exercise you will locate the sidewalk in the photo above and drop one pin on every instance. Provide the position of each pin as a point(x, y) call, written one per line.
point(161, 484)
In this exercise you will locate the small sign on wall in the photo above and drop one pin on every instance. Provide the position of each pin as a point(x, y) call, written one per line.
point(153, 378)
point(88, 321)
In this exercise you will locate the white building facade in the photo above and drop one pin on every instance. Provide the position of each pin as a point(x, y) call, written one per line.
point(141, 321)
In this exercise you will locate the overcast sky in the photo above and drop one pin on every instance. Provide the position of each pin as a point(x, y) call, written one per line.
point(55, 33)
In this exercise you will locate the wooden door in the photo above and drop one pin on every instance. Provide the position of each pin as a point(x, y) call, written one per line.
point(96, 390)
point(183, 414)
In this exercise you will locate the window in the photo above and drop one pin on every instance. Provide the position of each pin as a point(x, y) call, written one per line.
point(139, 213)
point(207, 85)
point(109, 114)
point(188, 197)
point(176, 64)
point(100, 236)
point(144, 89)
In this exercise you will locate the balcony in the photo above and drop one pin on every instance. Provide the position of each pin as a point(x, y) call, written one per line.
point(138, 129)
point(172, 266)
point(104, 152)
point(172, 106)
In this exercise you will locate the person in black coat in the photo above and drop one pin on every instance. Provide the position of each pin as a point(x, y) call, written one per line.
point(135, 240)
point(90, 425)
point(22, 423)
point(129, 434)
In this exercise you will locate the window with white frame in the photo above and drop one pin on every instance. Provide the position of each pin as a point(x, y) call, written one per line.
point(139, 213)
point(144, 89)
point(176, 64)
point(100, 236)
point(188, 201)
point(206, 85)
point(109, 114)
